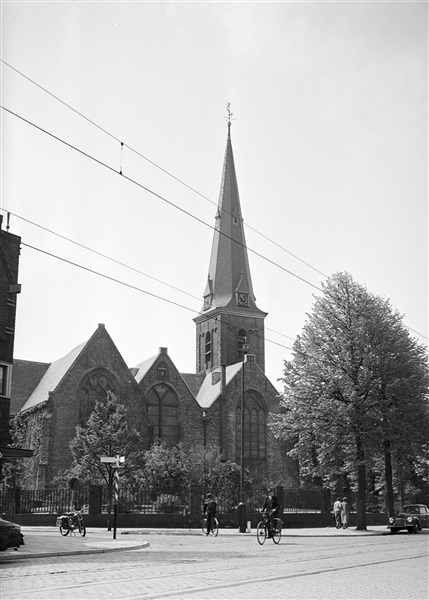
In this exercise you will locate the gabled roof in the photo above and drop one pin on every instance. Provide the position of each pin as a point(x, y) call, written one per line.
point(193, 381)
point(140, 370)
point(26, 374)
point(209, 392)
point(52, 378)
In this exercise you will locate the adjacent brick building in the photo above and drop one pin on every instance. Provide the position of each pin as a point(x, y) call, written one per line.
point(193, 408)
point(9, 288)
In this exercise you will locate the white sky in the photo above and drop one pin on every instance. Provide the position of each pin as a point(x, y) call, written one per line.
point(330, 140)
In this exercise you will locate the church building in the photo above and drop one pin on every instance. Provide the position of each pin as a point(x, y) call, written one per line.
point(204, 407)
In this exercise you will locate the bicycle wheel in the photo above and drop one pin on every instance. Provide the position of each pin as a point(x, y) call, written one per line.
point(82, 528)
point(204, 525)
point(64, 531)
point(277, 531)
point(261, 533)
point(215, 527)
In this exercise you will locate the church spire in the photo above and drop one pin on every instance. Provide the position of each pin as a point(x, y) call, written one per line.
point(229, 317)
point(229, 281)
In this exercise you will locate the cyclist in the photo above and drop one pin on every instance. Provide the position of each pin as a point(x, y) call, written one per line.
point(210, 511)
point(271, 509)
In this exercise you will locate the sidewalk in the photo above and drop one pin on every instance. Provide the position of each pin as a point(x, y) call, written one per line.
point(47, 541)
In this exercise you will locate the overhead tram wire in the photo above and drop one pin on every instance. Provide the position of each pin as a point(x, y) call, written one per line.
point(169, 202)
point(156, 296)
point(137, 153)
point(133, 287)
point(108, 133)
point(167, 173)
point(63, 237)
point(119, 263)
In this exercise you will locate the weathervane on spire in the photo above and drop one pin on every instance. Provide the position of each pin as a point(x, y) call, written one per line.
point(229, 117)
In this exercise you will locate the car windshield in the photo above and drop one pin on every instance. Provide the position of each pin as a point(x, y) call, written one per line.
point(414, 510)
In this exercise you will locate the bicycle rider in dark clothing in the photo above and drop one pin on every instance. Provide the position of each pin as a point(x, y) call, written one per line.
point(210, 511)
point(271, 509)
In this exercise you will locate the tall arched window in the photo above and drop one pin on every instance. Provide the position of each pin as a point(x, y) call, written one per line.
point(94, 387)
point(255, 433)
point(213, 349)
point(208, 350)
point(163, 412)
point(241, 339)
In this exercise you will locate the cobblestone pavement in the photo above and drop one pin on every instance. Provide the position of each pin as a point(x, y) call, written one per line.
point(231, 567)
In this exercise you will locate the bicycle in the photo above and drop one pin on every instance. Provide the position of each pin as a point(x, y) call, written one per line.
point(69, 522)
point(214, 530)
point(263, 531)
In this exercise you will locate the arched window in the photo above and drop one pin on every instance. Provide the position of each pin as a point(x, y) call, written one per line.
point(241, 340)
point(200, 352)
point(208, 350)
point(213, 350)
point(94, 387)
point(255, 433)
point(163, 412)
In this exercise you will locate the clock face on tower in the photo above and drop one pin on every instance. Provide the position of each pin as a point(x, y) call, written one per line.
point(242, 299)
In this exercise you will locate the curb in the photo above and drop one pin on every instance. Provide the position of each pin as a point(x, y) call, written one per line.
point(25, 555)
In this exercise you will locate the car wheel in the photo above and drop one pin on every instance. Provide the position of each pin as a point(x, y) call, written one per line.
point(410, 529)
point(416, 528)
point(392, 530)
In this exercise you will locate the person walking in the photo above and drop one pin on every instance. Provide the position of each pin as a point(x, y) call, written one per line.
point(345, 512)
point(337, 513)
point(209, 510)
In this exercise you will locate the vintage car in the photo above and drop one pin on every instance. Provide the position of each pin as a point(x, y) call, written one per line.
point(413, 517)
point(10, 535)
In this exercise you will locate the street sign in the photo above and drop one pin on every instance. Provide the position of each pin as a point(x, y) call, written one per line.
point(112, 459)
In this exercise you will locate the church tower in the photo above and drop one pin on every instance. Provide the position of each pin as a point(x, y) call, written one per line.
point(229, 317)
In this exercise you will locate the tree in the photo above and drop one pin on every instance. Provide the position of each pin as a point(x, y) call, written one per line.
point(208, 469)
point(355, 376)
point(107, 433)
point(166, 471)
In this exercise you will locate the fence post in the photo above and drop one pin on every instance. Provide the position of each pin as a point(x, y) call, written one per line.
point(325, 501)
point(17, 502)
point(94, 500)
point(195, 505)
point(280, 493)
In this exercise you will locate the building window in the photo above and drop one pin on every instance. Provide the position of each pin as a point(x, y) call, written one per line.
point(241, 344)
point(5, 379)
point(95, 387)
point(162, 372)
point(255, 433)
point(208, 350)
point(163, 412)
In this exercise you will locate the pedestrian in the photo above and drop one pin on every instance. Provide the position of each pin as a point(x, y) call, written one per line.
point(209, 509)
point(345, 512)
point(337, 513)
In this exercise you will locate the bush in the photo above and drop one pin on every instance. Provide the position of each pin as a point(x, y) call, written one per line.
point(167, 503)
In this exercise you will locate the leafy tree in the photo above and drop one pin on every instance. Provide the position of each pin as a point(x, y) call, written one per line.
point(107, 433)
point(208, 469)
point(166, 471)
point(355, 382)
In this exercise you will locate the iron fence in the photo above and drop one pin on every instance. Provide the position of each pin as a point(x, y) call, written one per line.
point(57, 501)
point(50, 501)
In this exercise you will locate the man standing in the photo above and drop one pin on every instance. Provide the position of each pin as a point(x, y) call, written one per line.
point(337, 513)
point(210, 511)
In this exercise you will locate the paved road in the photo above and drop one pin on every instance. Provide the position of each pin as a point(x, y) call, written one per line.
point(231, 567)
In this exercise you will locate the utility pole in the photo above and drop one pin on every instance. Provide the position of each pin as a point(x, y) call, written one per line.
point(242, 517)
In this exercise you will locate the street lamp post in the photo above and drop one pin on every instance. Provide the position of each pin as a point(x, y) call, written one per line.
point(242, 507)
